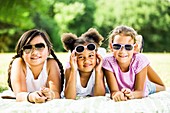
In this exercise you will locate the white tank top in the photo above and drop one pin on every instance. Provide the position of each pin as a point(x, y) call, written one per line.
point(36, 84)
point(88, 90)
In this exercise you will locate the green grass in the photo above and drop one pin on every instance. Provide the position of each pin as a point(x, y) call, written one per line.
point(159, 61)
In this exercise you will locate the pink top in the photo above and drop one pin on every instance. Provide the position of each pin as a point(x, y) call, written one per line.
point(126, 79)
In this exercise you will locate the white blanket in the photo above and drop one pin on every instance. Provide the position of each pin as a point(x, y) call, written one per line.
point(155, 103)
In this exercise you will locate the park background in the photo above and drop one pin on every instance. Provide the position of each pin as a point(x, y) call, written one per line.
point(150, 18)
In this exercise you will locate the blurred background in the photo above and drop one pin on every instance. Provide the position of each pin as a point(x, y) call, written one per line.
point(150, 18)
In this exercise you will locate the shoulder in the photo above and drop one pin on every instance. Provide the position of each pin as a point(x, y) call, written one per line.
point(18, 63)
point(18, 68)
point(52, 67)
point(109, 63)
point(109, 58)
point(139, 57)
point(139, 61)
point(51, 62)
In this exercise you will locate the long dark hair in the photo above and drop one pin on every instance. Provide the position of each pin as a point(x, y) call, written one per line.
point(24, 40)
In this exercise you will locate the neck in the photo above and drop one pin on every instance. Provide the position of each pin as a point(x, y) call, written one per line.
point(85, 74)
point(36, 70)
point(124, 66)
point(84, 78)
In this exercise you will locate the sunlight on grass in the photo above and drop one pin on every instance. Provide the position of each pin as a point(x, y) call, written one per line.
point(159, 61)
point(161, 64)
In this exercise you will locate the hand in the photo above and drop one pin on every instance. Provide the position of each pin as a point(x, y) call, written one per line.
point(73, 60)
point(37, 97)
point(99, 62)
point(128, 93)
point(49, 94)
point(118, 96)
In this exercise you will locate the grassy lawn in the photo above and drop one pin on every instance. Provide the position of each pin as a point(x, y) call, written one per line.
point(159, 61)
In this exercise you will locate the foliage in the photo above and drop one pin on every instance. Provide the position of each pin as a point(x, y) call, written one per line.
point(150, 18)
point(19, 16)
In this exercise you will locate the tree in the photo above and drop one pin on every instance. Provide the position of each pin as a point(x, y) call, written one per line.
point(19, 16)
point(149, 17)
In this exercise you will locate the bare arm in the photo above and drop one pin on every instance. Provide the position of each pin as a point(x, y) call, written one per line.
point(139, 83)
point(154, 77)
point(99, 87)
point(70, 77)
point(70, 86)
point(115, 93)
point(18, 81)
point(54, 79)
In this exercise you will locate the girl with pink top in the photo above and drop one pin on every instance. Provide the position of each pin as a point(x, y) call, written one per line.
point(126, 69)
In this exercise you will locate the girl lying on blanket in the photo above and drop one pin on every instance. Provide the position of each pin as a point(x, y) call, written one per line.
point(32, 75)
point(126, 69)
point(152, 75)
point(83, 75)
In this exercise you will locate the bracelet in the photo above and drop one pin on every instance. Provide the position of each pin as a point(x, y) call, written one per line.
point(28, 97)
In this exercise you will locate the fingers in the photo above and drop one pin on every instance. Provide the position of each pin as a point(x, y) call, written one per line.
point(73, 60)
point(128, 93)
point(73, 53)
point(48, 93)
point(123, 95)
point(123, 90)
point(119, 96)
point(99, 60)
point(130, 96)
point(38, 97)
point(99, 57)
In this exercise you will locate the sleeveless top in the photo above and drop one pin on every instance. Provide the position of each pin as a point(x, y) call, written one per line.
point(36, 84)
point(88, 90)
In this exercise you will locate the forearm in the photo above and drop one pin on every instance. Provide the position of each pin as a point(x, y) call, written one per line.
point(70, 88)
point(138, 94)
point(99, 86)
point(22, 96)
point(57, 94)
point(99, 90)
point(70, 91)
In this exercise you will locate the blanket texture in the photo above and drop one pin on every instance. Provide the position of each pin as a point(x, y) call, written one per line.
point(155, 103)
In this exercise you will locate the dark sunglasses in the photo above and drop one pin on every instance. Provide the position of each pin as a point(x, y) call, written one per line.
point(28, 48)
point(80, 48)
point(128, 47)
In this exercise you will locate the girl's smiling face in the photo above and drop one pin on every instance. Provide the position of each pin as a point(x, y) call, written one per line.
point(36, 56)
point(122, 55)
point(86, 60)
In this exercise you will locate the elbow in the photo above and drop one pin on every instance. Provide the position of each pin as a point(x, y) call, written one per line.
point(72, 96)
point(163, 88)
point(100, 93)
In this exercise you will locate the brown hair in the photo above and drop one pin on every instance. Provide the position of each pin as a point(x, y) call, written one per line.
point(70, 41)
point(122, 30)
point(24, 40)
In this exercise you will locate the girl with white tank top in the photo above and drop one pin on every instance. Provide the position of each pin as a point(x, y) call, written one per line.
point(36, 84)
point(33, 76)
point(83, 75)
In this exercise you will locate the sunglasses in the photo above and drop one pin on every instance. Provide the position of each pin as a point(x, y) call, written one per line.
point(128, 47)
point(28, 48)
point(80, 48)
